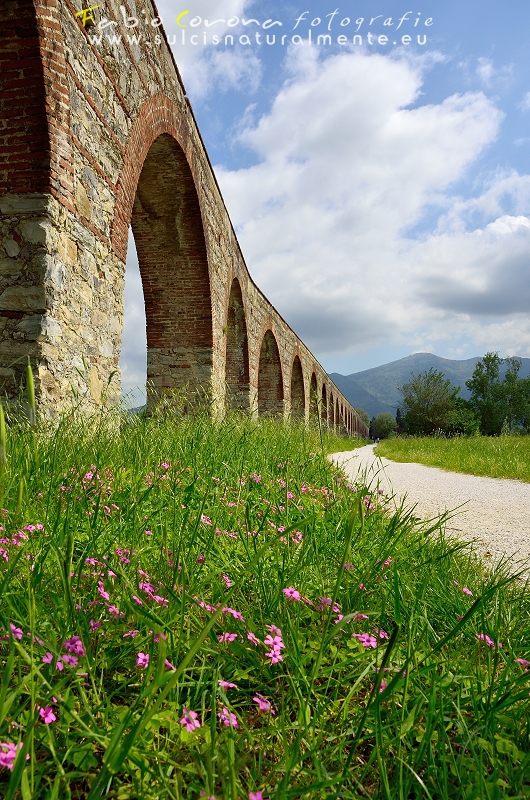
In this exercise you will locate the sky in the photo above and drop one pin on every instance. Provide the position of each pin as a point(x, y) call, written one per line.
point(379, 188)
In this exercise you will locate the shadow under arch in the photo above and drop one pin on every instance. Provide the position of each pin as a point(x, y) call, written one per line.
point(168, 231)
point(324, 405)
point(237, 361)
point(313, 398)
point(270, 379)
point(297, 390)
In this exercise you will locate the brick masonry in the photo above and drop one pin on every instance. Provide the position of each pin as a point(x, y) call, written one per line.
point(95, 138)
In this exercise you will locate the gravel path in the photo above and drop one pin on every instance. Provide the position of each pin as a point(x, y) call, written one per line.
point(494, 513)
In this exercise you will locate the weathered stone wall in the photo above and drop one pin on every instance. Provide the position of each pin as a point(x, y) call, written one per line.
point(95, 138)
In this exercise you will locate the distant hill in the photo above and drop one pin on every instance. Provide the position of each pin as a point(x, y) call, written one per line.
point(377, 389)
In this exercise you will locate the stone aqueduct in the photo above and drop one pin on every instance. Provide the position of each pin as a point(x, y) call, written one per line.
point(94, 139)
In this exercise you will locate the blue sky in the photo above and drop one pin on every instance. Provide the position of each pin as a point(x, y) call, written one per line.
point(381, 194)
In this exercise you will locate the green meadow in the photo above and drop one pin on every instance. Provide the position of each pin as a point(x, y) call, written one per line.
point(197, 609)
point(494, 456)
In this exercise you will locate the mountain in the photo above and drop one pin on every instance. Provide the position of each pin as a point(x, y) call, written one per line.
point(377, 389)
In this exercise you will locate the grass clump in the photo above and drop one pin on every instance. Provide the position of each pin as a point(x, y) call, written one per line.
point(195, 609)
point(493, 456)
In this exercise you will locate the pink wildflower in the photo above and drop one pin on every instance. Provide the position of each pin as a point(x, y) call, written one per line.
point(190, 720)
point(161, 601)
point(326, 602)
point(227, 718)
point(235, 614)
point(47, 715)
point(94, 624)
point(130, 634)
point(291, 593)
point(142, 660)
point(70, 661)
point(17, 633)
point(264, 705)
point(227, 581)
point(253, 639)
point(168, 665)
point(205, 520)
point(102, 591)
point(483, 637)
point(148, 533)
point(366, 639)
point(467, 591)
point(227, 638)
point(201, 559)
point(523, 663)
point(255, 796)
point(75, 645)
point(8, 754)
point(226, 685)
point(47, 658)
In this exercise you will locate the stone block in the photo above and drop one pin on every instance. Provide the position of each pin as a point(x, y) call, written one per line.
point(12, 248)
point(23, 298)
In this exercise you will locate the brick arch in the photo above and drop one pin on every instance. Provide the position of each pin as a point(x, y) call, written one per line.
point(313, 397)
point(167, 226)
point(270, 378)
point(332, 410)
point(237, 363)
point(297, 389)
point(87, 131)
point(34, 106)
point(156, 116)
point(324, 405)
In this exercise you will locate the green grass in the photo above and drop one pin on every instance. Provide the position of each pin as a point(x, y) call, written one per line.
point(203, 523)
point(495, 456)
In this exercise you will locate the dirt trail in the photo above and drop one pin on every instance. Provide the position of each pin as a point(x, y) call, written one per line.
point(494, 513)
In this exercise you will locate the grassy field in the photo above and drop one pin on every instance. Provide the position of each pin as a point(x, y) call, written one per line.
point(496, 456)
point(191, 609)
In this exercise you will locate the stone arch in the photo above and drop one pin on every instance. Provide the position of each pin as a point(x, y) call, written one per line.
point(297, 390)
point(237, 363)
point(168, 232)
point(332, 411)
point(313, 398)
point(324, 405)
point(270, 378)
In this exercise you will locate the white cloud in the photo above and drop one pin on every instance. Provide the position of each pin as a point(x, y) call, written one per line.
point(348, 160)
point(525, 102)
point(207, 68)
point(492, 75)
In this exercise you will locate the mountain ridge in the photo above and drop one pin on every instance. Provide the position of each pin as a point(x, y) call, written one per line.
point(377, 389)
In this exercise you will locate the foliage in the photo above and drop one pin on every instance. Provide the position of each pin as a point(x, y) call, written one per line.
point(429, 398)
point(495, 456)
point(194, 608)
point(500, 405)
point(382, 426)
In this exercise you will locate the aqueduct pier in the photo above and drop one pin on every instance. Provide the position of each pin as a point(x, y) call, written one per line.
point(95, 138)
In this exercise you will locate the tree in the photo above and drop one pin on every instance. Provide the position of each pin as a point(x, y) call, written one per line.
point(500, 405)
point(486, 395)
point(383, 425)
point(429, 398)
